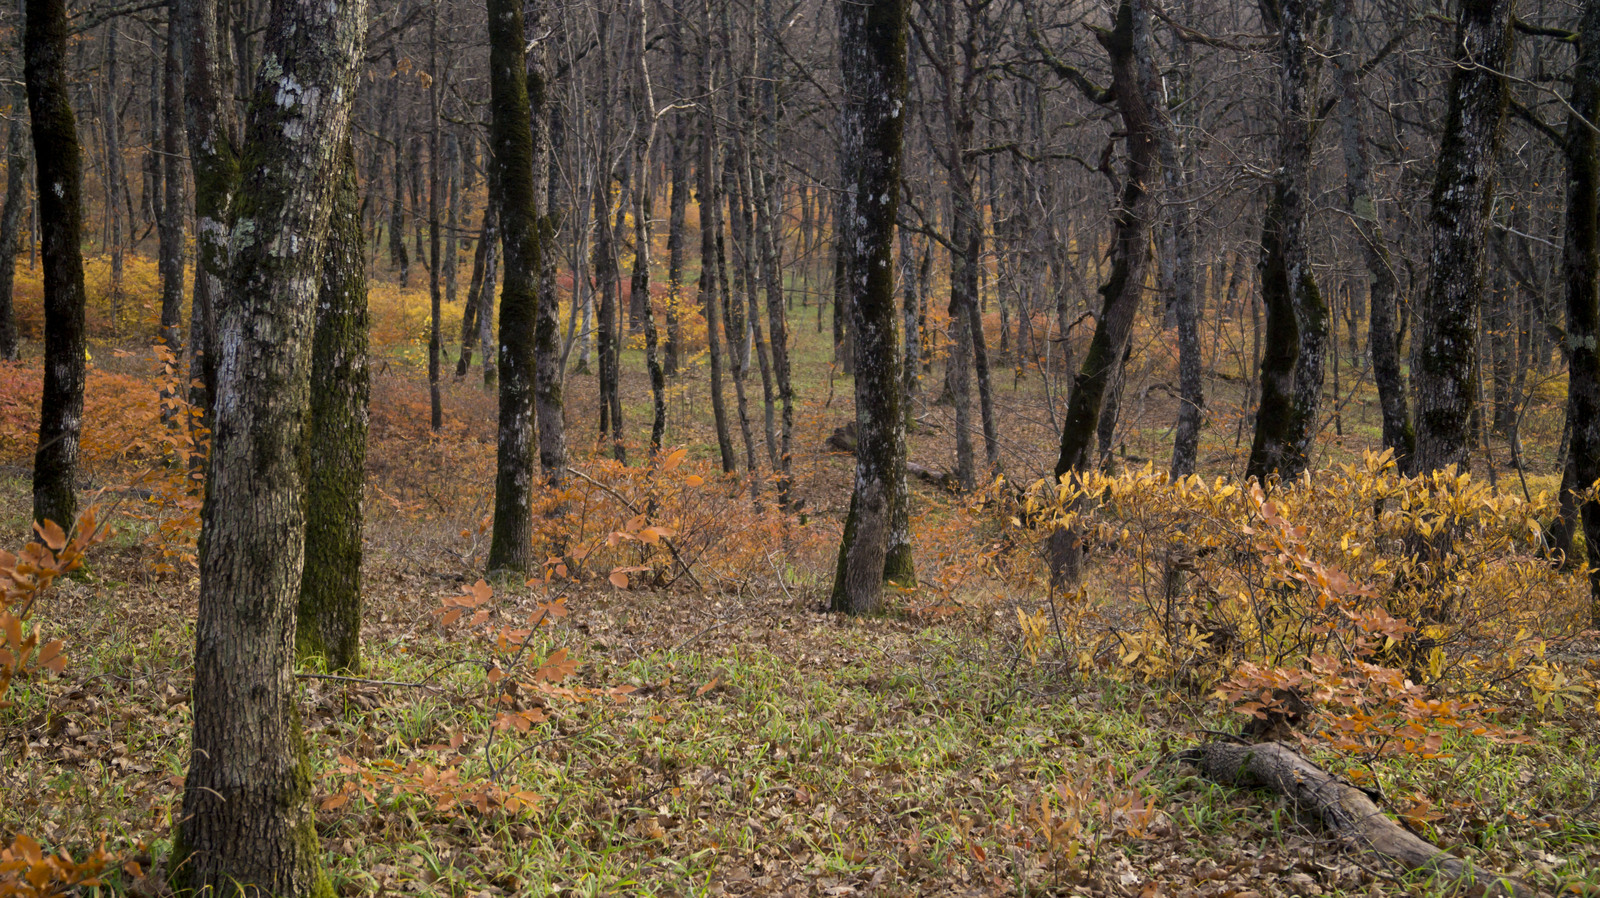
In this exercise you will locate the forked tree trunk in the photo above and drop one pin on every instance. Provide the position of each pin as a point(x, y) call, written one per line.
point(1444, 351)
point(59, 190)
point(876, 548)
point(329, 622)
point(247, 824)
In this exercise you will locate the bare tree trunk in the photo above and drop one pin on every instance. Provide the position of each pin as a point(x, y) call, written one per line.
point(710, 231)
point(1445, 349)
point(1581, 266)
point(876, 545)
point(678, 201)
point(511, 136)
point(488, 237)
point(11, 220)
point(1381, 282)
point(116, 184)
point(1297, 315)
point(547, 352)
point(644, 228)
point(59, 190)
point(247, 823)
point(435, 297)
point(170, 173)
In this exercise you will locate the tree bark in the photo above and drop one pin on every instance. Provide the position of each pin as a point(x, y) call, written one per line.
point(170, 225)
point(329, 621)
point(435, 202)
point(511, 136)
point(641, 308)
point(1345, 811)
point(59, 191)
point(11, 221)
point(1291, 373)
point(876, 546)
point(1382, 286)
point(1581, 268)
point(1121, 293)
point(710, 230)
point(547, 353)
point(1444, 351)
point(247, 822)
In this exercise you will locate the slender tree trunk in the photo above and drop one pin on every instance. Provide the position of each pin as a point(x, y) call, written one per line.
point(1445, 349)
point(116, 184)
point(11, 221)
point(435, 266)
point(511, 136)
point(644, 228)
point(734, 282)
point(1382, 286)
point(911, 367)
point(247, 823)
point(876, 544)
point(488, 235)
point(212, 127)
point(1581, 264)
point(170, 174)
point(678, 200)
point(547, 352)
point(607, 338)
point(710, 230)
point(335, 454)
point(60, 191)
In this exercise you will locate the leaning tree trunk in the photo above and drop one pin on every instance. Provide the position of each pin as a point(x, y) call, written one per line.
point(875, 548)
point(329, 622)
point(247, 823)
point(1444, 351)
point(511, 135)
point(1382, 286)
point(60, 190)
point(10, 223)
point(1120, 294)
point(1291, 373)
point(1581, 267)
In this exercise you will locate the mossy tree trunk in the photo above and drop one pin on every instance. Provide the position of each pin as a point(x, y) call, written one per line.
point(59, 190)
point(247, 822)
point(329, 621)
point(1444, 350)
point(1297, 316)
point(876, 546)
point(1581, 264)
point(511, 136)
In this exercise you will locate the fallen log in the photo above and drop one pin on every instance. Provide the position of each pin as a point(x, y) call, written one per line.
point(1345, 811)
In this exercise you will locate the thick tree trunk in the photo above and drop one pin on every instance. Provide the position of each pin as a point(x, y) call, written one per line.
point(1291, 376)
point(247, 823)
point(511, 136)
point(876, 545)
point(1382, 286)
point(1581, 268)
point(1444, 352)
point(329, 622)
point(60, 190)
point(11, 221)
point(1344, 811)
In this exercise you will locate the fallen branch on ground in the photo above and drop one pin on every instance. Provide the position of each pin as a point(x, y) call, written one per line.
point(1345, 811)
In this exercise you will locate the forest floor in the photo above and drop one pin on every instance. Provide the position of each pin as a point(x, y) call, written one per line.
point(764, 747)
